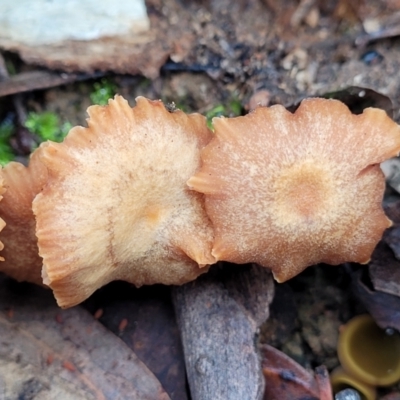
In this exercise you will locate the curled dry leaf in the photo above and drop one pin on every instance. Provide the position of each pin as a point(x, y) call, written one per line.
point(383, 307)
point(392, 236)
point(291, 190)
point(117, 207)
point(22, 184)
point(384, 270)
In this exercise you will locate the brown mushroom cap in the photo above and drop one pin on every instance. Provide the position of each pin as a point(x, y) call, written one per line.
point(117, 206)
point(22, 261)
point(291, 190)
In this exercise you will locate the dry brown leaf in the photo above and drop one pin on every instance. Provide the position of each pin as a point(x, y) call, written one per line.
point(287, 380)
point(149, 329)
point(65, 354)
point(383, 307)
point(384, 270)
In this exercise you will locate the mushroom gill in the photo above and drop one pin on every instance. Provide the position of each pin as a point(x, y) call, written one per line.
point(22, 261)
point(116, 206)
point(291, 190)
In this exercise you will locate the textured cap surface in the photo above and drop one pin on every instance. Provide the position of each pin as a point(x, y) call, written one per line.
point(292, 190)
point(117, 205)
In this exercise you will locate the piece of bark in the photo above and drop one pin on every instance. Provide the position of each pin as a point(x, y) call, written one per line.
point(219, 315)
point(64, 354)
point(126, 52)
point(51, 22)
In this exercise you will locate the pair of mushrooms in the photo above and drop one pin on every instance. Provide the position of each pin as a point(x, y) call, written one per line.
point(151, 196)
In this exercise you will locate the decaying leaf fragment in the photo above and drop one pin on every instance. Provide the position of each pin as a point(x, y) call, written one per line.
point(291, 190)
point(287, 380)
point(116, 206)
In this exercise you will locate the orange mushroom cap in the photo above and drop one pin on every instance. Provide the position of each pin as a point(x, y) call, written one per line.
point(22, 261)
point(116, 205)
point(289, 190)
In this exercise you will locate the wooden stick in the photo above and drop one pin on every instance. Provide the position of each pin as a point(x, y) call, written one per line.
point(40, 79)
point(219, 315)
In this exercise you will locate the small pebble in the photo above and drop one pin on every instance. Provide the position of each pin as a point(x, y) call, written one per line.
point(371, 57)
point(348, 394)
